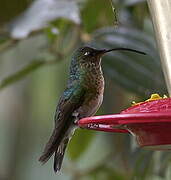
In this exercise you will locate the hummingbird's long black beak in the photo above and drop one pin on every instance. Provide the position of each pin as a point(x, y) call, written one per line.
point(120, 49)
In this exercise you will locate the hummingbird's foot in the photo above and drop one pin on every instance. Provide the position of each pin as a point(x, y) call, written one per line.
point(76, 122)
point(75, 114)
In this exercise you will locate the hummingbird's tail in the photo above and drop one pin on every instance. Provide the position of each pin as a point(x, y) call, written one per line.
point(59, 155)
point(57, 144)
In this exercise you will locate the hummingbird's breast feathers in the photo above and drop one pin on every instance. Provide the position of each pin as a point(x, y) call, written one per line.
point(94, 80)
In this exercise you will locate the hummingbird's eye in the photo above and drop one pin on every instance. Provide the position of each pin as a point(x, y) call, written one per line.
point(86, 53)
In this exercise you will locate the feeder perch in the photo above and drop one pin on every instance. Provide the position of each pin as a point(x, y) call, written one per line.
point(149, 122)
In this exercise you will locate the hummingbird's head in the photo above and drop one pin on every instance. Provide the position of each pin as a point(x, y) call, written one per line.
point(88, 57)
point(88, 54)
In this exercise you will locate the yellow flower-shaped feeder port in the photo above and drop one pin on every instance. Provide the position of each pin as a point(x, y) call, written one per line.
point(152, 98)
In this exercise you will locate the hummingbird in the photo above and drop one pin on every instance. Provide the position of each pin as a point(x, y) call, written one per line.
point(81, 98)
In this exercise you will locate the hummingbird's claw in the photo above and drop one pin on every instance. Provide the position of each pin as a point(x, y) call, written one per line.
point(75, 115)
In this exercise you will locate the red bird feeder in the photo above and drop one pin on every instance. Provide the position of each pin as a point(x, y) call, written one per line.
point(149, 122)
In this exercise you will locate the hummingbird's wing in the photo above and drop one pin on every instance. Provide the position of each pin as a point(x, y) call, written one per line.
point(71, 100)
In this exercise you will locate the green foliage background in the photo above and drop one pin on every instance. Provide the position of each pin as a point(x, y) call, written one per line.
point(33, 74)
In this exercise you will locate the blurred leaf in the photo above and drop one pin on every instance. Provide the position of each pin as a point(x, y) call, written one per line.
point(103, 172)
point(132, 2)
point(6, 43)
point(144, 164)
point(40, 13)
point(10, 9)
point(113, 174)
point(94, 12)
point(21, 73)
point(141, 74)
point(127, 37)
point(79, 143)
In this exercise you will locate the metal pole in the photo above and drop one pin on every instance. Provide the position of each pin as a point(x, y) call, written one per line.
point(161, 16)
